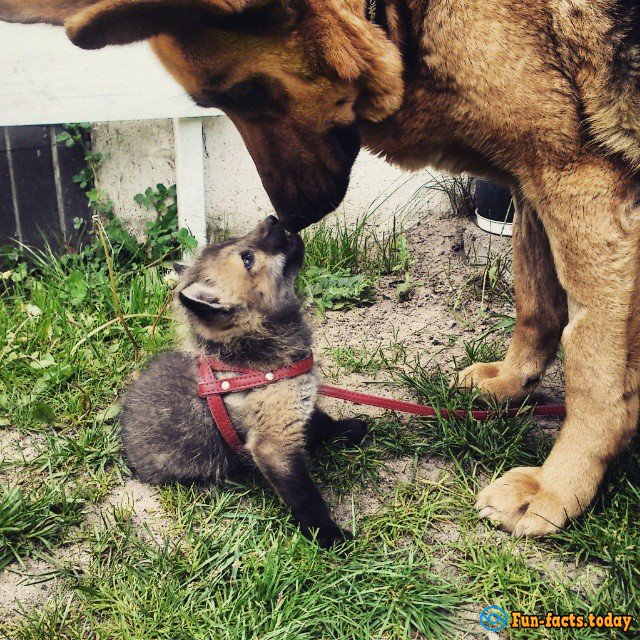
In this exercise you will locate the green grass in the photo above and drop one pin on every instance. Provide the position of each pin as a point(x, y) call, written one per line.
point(228, 562)
point(33, 523)
point(388, 354)
point(358, 247)
point(492, 280)
point(236, 569)
point(65, 361)
point(343, 261)
point(496, 444)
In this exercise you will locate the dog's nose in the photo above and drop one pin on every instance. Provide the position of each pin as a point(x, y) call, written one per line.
point(271, 225)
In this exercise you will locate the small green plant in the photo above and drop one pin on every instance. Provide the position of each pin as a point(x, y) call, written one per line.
point(343, 261)
point(493, 278)
point(483, 350)
point(336, 289)
point(406, 289)
point(78, 134)
point(458, 190)
point(218, 233)
point(164, 238)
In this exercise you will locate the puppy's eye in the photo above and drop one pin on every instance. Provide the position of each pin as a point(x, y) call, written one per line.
point(247, 259)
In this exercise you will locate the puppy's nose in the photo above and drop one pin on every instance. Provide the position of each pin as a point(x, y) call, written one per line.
point(272, 220)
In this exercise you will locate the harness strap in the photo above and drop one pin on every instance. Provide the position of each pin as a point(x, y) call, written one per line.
point(250, 378)
point(218, 410)
point(212, 389)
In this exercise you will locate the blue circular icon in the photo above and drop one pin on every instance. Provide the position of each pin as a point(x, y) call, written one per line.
point(493, 618)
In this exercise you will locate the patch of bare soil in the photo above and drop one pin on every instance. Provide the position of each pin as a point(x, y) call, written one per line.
point(446, 310)
point(23, 587)
point(16, 449)
point(33, 582)
point(370, 500)
point(141, 501)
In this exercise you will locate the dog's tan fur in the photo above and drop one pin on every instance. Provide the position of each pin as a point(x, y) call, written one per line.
point(539, 94)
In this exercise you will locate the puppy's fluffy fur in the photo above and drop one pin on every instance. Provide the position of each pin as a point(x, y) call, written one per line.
point(238, 304)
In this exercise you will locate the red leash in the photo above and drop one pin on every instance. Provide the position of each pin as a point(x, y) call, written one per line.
point(425, 410)
point(212, 389)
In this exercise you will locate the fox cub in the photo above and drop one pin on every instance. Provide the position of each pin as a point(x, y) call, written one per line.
point(237, 303)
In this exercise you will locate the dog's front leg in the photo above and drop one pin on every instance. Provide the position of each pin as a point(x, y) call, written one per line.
point(283, 463)
point(541, 314)
point(593, 222)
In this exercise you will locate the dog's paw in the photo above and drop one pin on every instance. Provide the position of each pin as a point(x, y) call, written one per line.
point(354, 430)
point(518, 502)
point(495, 380)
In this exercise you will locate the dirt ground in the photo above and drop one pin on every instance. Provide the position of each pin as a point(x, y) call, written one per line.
point(444, 250)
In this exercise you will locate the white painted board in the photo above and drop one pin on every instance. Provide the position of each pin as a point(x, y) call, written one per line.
point(44, 79)
point(190, 176)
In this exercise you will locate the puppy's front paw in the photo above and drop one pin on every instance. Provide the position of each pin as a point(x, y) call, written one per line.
point(354, 431)
point(519, 503)
point(332, 535)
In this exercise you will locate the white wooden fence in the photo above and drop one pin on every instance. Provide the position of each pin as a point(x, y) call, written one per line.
point(44, 79)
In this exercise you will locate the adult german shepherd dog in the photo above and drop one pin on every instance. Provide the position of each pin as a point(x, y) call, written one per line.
point(542, 95)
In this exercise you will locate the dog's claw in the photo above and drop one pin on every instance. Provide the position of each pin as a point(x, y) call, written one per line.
point(485, 512)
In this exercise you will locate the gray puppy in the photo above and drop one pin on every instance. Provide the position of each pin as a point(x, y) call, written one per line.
point(237, 303)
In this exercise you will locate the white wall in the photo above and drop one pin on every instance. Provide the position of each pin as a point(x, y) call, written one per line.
point(141, 155)
point(44, 79)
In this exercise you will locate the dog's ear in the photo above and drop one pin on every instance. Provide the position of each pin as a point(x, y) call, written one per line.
point(124, 21)
point(49, 11)
point(203, 300)
point(342, 39)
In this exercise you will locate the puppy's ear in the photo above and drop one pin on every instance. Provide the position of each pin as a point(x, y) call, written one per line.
point(124, 21)
point(203, 301)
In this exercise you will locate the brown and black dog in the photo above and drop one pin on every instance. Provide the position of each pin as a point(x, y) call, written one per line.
point(542, 95)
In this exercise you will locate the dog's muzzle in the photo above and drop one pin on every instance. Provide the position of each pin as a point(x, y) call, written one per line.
point(314, 191)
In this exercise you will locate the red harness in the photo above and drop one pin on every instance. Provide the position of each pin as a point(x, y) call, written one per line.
point(212, 389)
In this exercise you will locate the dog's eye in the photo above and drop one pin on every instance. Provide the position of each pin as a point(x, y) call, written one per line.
point(252, 95)
point(247, 259)
point(251, 92)
point(255, 97)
